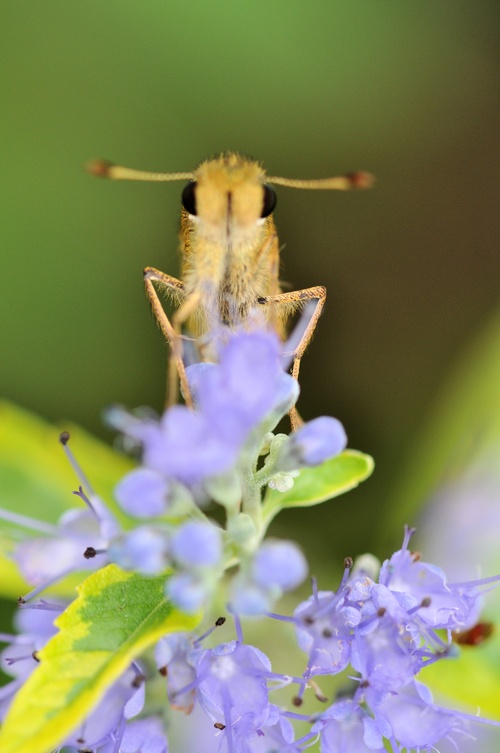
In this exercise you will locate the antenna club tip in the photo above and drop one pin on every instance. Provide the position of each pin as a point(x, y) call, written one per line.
point(361, 179)
point(64, 437)
point(101, 168)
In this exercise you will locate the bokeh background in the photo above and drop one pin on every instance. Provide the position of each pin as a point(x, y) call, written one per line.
point(408, 91)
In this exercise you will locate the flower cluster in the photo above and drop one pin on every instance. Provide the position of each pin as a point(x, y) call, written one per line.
point(383, 625)
point(223, 452)
point(107, 726)
point(212, 454)
point(20, 657)
point(386, 631)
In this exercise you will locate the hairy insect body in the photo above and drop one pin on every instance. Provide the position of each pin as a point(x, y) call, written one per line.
point(230, 254)
point(230, 257)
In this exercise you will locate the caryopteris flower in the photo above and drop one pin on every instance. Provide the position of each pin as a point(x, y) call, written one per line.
point(197, 510)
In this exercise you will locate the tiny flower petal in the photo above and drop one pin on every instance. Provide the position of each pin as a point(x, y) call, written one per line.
point(197, 545)
point(187, 591)
point(248, 598)
point(317, 441)
point(233, 688)
point(105, 718)
point(145, 549)
point(279, 563)
point(144, 736)
point(342, 729)
point(143, 493)
point(417, 724)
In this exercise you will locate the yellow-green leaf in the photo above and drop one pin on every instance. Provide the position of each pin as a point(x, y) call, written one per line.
point(36, 479)
point(116, 616)
point(315, 485)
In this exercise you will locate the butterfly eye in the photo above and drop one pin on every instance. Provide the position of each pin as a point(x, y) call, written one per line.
point(269, 201)
point(188, 198)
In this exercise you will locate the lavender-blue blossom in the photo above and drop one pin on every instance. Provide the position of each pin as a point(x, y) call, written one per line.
point(35, 626)
point(379, 626)
point(279, 564)
point(189, 591)
point(346, 728)
point(275, 567)
point(246, 386)
point(411, 580)
point(145, 549)
point(122, 701)
point(144, 493)
point(196, 544)
point(58, 549)
point(318, 440)
point(177, 656)
point(232, 687)
point(144, 736)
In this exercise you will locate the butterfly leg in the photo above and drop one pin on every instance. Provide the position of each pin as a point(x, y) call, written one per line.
point(176, 370)
point(291, 301)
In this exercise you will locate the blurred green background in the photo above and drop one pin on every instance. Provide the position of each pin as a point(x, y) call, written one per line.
point(408, 91)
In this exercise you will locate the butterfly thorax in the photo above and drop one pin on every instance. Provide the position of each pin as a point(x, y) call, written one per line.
point(230, 252)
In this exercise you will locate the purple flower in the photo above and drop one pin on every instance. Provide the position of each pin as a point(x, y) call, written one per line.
point(144, 736)
point(324, 625)
point(19, 658)
point(247, 598)
point(144, 493)
point(277, 567)
point(345, 727)
point(386, 658)
point(416, 723)
point(189, 591)
point(317, 441)
point(187, 447)
point(59, 551)
point(276, 735)
point(247, 385)
point(408, 720)
point(232, 687)
point(412, 581)
point(246, 389)
point(145, 549)
point(382, 632)
point(176, 657)
point(120, 702)
point(197, 545)
point(196, 549)
point(279, 564)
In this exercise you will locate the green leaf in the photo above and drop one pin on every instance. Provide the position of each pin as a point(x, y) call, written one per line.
point(36, 479)
point(315, 485)
point(116, 616)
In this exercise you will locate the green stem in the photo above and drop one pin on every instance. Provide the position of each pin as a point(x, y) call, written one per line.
point(252, 501)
